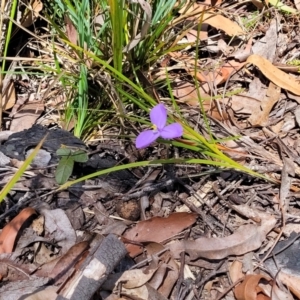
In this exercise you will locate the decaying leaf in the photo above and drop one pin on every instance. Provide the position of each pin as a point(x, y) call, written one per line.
point(58, 224)
point(146, 7)
point(275, 75)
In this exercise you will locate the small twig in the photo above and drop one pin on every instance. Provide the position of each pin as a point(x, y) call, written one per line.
point(148, 189)
point(199, 211)
point(230, 288)
point(16, 268)
point(148, 259)
point(214, 272)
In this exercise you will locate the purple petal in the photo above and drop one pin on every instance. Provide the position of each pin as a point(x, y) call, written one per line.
point(172, 131)
point(158, 116)
point(145, 138)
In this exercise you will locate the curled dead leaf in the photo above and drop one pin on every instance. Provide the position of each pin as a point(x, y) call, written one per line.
point(249, 288)
point(11, 230)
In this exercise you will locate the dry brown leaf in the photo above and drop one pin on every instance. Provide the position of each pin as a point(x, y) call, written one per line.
point(279, 294)
point(146, 7)
point(143, 292)
point(249, 288)
point(243, 104)
point(135, 278)
point(11, 230)
point(261, 114)
point(157, 230)
point(49, 293)
point(258, 4)
point(275, 75)
point(297, 4)
point(195, 7)
point(71, 30)
point(223, 23)
point(167, 274)
point(131, 279)
point(186, 92)
point(246, 238)
point(292, 282)
point(192, 35)
point(58, 268)
point(32, 14)
point(26, 116)
point(59, 226)
point(9, 96)
point(219, 75)
point(235, 271)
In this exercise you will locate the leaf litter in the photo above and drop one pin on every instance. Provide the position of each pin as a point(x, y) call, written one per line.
point(207, 236)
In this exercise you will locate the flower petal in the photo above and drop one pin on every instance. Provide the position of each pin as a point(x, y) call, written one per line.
point(145, 138)
point(158, 116)
point(172, 131)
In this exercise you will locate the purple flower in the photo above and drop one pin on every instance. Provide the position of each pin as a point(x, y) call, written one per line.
point(158, 117)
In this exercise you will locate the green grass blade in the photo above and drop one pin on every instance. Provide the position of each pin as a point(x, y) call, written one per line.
point(9, 185)
point(158, 162)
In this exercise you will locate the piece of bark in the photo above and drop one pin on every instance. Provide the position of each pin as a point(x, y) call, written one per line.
point(95, 270)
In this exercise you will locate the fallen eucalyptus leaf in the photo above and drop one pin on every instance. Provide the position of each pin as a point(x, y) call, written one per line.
point(246, 238)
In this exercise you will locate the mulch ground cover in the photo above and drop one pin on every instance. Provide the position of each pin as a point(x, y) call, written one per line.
point(172, 231)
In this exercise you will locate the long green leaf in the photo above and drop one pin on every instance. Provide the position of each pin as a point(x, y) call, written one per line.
point(157, 162)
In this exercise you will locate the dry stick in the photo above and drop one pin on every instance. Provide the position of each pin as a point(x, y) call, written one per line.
point(149, 259)
point(181, 271)
point(291, 242)
point(18, 58)
point(16, 268)
point(198, 210)
point(1, 108)
point(266, 256)
point(2, 43)
point(23, 201)
point(214, 272)
point(180, 277)
point(234, 185)
point(230, 288)
point(283, 213)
